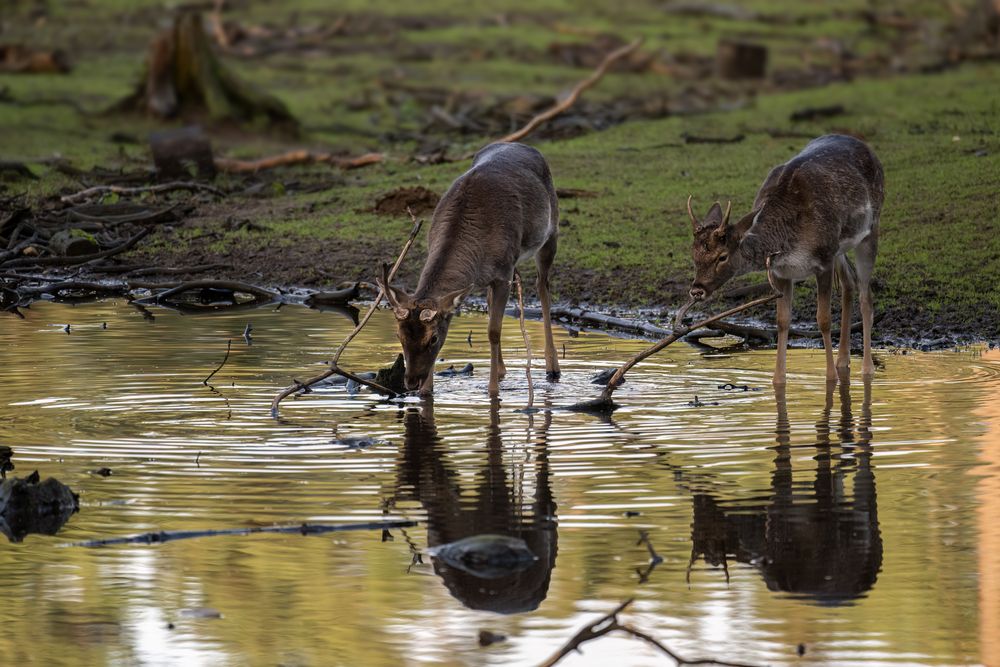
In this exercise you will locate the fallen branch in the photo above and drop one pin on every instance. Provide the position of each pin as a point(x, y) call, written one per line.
point(574, 94)
point(295, 157)
point(74, 286)
point(334, 369)
point(135, 270)
point(229, 347)
point(121, 190)
point(605, 404)
point(304, 529)
point(81, 259)
point(610, 623)
point(336, 298)
point(610, 321)
point(371, 384)
point(524, 334)
point(259, 293)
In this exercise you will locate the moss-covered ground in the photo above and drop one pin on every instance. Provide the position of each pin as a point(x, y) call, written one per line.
point(937, 133)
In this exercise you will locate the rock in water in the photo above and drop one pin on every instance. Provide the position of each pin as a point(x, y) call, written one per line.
point(29, 506)
point(486, 556)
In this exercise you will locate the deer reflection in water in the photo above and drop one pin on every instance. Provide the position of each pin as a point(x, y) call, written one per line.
point(822, 542)
point(494, 507)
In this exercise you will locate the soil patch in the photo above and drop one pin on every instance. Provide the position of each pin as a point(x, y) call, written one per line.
point(418, 199)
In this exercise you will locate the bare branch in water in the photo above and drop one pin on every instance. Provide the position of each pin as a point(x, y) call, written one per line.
point(304, 529)
point(334, 368)
point(610, 623)
point(229, 346)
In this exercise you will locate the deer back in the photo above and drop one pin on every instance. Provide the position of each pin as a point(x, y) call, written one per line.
point(502, 210)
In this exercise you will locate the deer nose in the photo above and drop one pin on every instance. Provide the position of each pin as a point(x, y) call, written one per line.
point(411, 383)
point(697, 293)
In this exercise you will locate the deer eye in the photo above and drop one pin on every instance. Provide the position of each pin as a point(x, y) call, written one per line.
point(722, 258)
point(434, 340)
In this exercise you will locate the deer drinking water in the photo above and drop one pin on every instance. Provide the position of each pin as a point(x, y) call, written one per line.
point(807, 215)
point(501, 211)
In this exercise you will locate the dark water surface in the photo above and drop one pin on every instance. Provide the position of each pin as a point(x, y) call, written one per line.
point(862, 522)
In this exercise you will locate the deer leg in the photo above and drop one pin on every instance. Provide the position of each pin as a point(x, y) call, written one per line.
point(784, 322)
point(866, 252)
point(499, 291)
point(824, 295)
point(543, 260)
point(847, 289)
point(499, 352)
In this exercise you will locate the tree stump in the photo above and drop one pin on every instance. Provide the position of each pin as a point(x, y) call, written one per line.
point(183, 78)
point(740, 60)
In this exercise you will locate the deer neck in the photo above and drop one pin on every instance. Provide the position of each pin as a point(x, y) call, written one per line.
point(449, 267)
point(771, 233)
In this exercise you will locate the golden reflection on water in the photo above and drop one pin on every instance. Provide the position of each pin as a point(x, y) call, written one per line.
point(989, 536)
point(854, 519)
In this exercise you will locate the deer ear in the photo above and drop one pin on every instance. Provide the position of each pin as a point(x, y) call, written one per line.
point(714, 217)
point(451, 301)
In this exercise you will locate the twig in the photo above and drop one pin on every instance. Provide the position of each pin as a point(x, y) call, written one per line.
point(334, 369)
point(644, 539)
point(524, 334)
point(304, 529)
point(121, 190)
point(610, 623)
point(570, 99)
point(371, 384)
point(229, 346)
point(296, 157)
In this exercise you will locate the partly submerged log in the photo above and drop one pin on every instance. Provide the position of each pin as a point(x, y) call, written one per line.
point(184, 78)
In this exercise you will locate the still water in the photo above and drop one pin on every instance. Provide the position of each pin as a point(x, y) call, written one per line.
point(858, 521)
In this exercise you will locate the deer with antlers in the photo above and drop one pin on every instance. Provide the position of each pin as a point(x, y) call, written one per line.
point(807, 215)
point(501, 211)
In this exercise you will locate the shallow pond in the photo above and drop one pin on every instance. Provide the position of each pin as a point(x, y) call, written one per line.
point(860, 522)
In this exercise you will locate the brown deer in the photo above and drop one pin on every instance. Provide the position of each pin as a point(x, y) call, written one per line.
point(808, 213)
point(501, 211)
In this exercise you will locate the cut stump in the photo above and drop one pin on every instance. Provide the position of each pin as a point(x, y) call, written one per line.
point(183, 78)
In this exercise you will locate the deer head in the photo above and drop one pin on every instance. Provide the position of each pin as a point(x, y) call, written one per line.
point(422, 326)
point(716, 248)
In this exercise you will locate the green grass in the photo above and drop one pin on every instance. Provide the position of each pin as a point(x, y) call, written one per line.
point(940, 243)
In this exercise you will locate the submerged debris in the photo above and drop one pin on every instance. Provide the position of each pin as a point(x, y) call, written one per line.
point(486, 556)
point(486, 638)
point(604, 377)
point(30, 506)
point(451, 371)
point(392, 377)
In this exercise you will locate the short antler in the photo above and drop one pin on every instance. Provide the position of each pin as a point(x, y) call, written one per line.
point(729, 208)
point(694, 220)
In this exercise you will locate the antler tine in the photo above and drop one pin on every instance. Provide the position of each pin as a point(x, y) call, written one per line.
point(385, 275)
point(694, 220)
point(729, 208)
